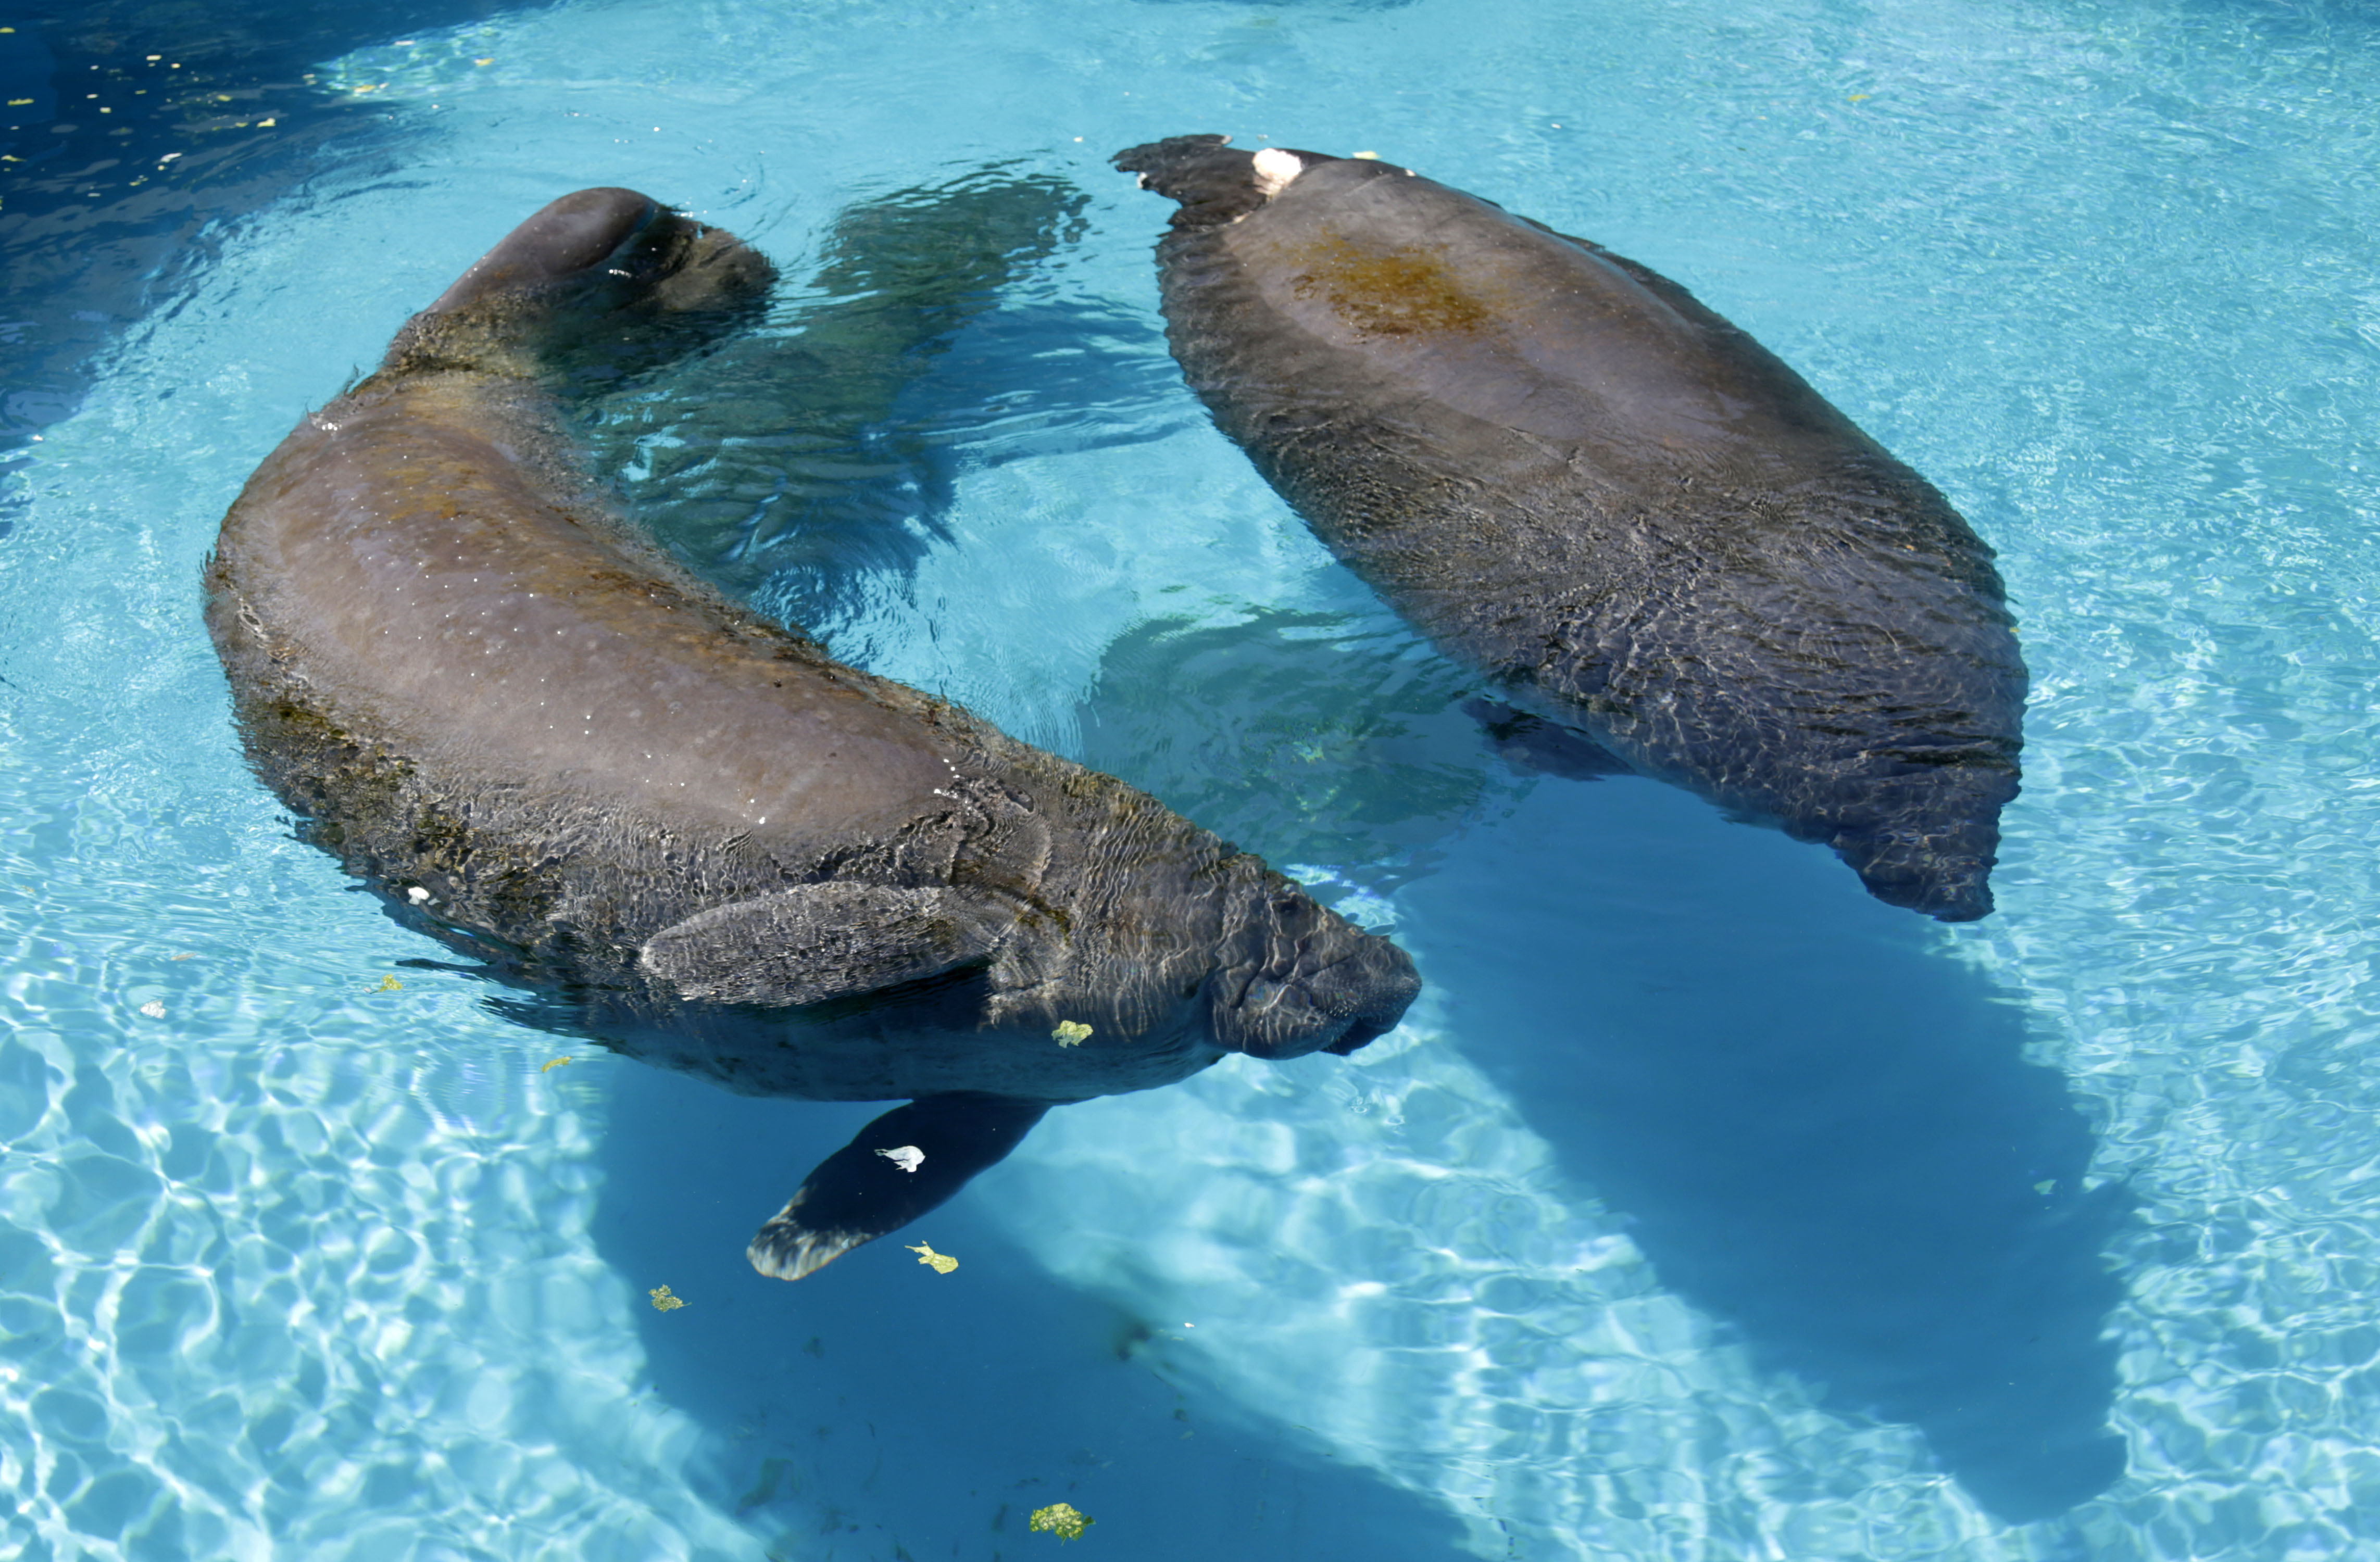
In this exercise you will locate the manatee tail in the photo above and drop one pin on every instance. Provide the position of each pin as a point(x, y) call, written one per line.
point(1214, 184)
point(906, 1163)
point(592, 254)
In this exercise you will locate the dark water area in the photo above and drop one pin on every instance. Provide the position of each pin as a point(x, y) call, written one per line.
point(210, 112)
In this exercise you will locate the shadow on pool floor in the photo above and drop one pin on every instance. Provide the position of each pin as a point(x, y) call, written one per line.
point(1819, 1123)
point(880, 1410)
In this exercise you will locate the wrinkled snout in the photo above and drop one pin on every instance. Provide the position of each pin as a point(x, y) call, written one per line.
point(1298, 978)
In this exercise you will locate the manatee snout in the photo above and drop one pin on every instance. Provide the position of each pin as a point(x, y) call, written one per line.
point(570, 274)
point(1298, 978)
point(1945, 875)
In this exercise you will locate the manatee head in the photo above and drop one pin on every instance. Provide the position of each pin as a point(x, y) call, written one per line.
point(605, 271)
point(1155, 926)
point(1292, 976)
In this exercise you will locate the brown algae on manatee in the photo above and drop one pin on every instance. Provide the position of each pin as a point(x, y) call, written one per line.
point(1386, 292)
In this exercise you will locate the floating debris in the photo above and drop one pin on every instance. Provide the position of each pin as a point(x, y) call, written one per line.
point(662, 1300)
point(554, 1063)
point(417, 895)
point(153, 1008)
point(908, 1157)
point(1062, 1519)
point(186, 956)
point(1366, 156)
point(388, 983)
point(943, 1262)
point(1071, 1033)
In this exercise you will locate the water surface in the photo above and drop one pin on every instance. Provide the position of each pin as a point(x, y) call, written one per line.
point(1704, 1208)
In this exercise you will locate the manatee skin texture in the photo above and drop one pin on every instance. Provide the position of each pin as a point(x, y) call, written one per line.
point(689, 833)
point(1570, 474)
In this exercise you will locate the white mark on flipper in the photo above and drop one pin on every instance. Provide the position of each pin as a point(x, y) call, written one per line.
point(417, 895)
point(1275, 168)
point(908, 1157)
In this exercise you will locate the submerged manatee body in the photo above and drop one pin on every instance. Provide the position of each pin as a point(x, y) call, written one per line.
point(1570, 473)
point(697, 837)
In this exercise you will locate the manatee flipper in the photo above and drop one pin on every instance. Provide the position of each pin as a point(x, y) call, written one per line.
point(1532, 742)
point(819, 941)
point(860, 1193)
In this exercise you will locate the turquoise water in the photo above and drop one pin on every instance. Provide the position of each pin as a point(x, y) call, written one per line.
point(1703, 1209)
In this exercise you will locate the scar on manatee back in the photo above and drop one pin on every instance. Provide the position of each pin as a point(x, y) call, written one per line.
point(1386, 293)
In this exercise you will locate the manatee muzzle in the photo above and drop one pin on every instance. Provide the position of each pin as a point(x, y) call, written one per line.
point(1302, 979)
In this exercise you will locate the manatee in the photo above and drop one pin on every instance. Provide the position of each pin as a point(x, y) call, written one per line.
point(1569, 473)
point(687, 831)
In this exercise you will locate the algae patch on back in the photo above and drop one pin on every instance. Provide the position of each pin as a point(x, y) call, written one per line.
point(1386, 293)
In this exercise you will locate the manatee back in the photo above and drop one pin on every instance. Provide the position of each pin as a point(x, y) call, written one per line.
point(1574, 475)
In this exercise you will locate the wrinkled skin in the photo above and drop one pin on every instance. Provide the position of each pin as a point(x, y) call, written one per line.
point(1567, 472)
point(694, 835)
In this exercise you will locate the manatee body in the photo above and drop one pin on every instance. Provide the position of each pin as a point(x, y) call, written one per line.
point(1567, 471)
point(694, 835)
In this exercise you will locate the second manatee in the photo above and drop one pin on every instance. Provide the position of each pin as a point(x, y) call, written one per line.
point(1568, 472)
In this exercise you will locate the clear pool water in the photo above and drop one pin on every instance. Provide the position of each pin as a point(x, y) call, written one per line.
point(1704, 1209)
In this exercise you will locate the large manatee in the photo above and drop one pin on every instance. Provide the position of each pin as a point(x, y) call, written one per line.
point(1568, 472)
point(694, 835)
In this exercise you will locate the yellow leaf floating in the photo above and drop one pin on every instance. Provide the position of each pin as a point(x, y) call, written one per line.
point(555, 1063)
point(662, 1300)
point(388, 983)
point(943, 1262)
point(1062, 1519)
point(1071, 1033)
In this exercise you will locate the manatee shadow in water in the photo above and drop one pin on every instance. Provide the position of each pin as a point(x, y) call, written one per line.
point(804, 463)
point(1821, 1126)
point(1824, 1130)
point(880, 1410)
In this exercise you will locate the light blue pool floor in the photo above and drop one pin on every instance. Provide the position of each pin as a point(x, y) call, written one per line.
point(1704, 1209)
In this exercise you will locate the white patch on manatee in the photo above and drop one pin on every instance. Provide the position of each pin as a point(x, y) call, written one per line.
point(908, 1157)
point(1275, 169)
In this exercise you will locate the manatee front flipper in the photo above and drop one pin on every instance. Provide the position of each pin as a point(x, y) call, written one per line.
point(862, 1191)
point(819, 941)
point(1531, 742)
